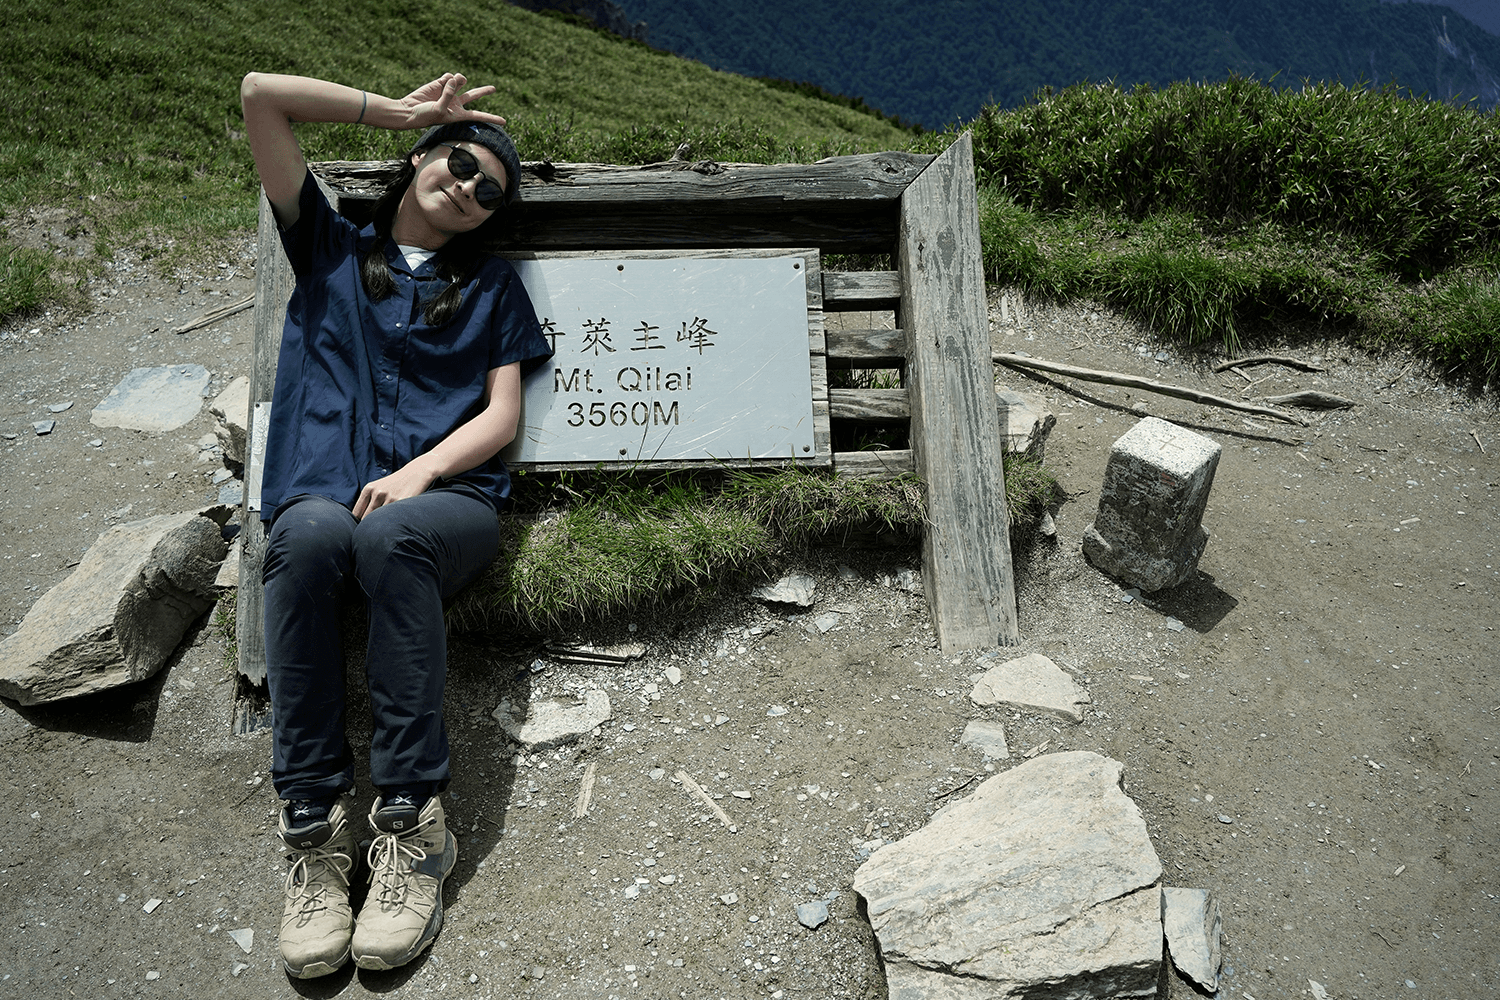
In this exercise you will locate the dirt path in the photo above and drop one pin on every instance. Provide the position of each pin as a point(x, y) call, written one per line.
point(1333, 692)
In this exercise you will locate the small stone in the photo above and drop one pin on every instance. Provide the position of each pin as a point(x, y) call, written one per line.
point(794, 588)
point(824, 622)
point(43, 426)
point(730, 898)
point(222, 476)
point(97, 443)
point(153, 976)
point(1048, 527)
point(847, 574)
point(151, 905)
point(537, 972)
point(909, 580)
point(244, 937)
point(1175, 625)
point(667, 879)
point(657, 773)
point(552, 723)
point(1224, 819)
point(1194, 928)
point(61, 407)
point(776, 710)
point(986, 737)
point(237, 969)
point(812, 915)
point(8, 435)
point(631, 892)
point(740, 795)
point(720, 720)
point(674, 676)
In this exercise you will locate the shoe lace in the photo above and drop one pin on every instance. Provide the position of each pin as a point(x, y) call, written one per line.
point(390, 858)
point(305, 880)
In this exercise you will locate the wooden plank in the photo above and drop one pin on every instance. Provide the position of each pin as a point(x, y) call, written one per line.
point(866, 348)
point(842, 204)
point(863, 179)
point(273, 287)
point(849, 291)
point(869, 406)
point(872, 464)
point(955, 432)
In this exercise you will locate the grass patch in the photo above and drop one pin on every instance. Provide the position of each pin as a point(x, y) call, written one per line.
point(26, 280)
point(1207, 210)
point(586, 546)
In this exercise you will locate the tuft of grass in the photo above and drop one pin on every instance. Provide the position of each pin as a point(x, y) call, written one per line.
point(1458, 323)
point(594, 545)
point(26, 281)
point(225, 623)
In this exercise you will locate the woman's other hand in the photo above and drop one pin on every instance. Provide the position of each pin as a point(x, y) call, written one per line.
point(410, 481)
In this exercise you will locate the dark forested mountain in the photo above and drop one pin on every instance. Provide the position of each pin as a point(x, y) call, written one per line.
point(940, 61)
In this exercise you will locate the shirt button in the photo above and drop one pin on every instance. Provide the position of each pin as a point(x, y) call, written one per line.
point(398, 326)
point(382, 427)
point(387, 378)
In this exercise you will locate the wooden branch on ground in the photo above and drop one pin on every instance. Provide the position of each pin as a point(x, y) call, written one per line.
point(702, 796)
point(1264, 359)
point(1311, 399)
point(1145, 384)
point(223, 312)
point(585, 791)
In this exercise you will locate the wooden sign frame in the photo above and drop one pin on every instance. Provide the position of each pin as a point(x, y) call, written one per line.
point(921, 210)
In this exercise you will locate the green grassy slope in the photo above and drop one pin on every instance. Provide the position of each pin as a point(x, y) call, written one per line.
point(139, 102)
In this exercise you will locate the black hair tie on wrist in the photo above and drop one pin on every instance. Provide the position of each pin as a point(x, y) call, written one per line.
point(364, 103)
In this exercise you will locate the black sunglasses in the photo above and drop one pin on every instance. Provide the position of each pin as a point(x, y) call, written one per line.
point(463, 165)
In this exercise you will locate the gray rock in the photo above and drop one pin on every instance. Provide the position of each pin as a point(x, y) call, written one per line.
point(826, 621)
point(1148, 531)
point(812, 915)
point(1195, 929)
point(117, 617)
point(794, 588)
point(229, 569)
point(60, 407)
point(221, 476)
point(153, 399)
point(232, 494)
point(1031, 683)
point(986, 737)
point(545, 724)
point(1041, 884)
point(232, 409)
point(1025, 423)
point(43, 426)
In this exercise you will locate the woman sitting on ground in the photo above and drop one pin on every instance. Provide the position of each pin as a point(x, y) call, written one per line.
point(398, 383)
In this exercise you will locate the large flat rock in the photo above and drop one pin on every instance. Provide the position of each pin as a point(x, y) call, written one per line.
point(118, 617)
point(153, 399)
point(1032, 683)
point(1042, 884)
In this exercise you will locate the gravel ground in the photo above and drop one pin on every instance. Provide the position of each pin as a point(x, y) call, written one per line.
point(1332, 690)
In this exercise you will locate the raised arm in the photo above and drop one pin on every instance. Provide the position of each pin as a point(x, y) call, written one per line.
point(272, 102)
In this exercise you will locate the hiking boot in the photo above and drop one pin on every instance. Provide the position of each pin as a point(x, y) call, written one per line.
point(412, 854)
point(316, 921)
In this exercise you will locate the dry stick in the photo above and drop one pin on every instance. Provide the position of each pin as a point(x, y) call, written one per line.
point(1475, 436)
point(223, 312)
point(966, 784)
point(706, 799)
point(1240, 372)
point(585, 790)
point(1263, 359)
point(1134, 382)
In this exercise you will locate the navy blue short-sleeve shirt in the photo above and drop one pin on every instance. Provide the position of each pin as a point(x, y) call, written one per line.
point(364, 387)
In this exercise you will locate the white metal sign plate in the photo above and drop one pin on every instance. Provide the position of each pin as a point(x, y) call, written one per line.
point(668, 359)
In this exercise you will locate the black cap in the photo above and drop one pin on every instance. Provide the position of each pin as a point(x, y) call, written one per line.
point(491, 137)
